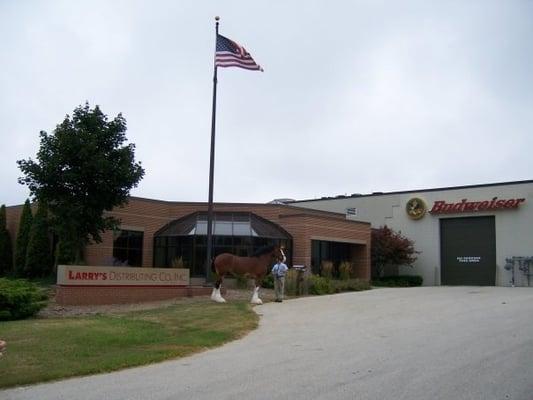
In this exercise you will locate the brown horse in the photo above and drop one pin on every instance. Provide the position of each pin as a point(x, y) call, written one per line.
point(256, 267)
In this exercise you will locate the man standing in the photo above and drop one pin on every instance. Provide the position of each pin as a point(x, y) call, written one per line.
point(279, 270)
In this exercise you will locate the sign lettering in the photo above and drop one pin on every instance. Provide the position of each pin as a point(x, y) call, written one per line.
point(121, 276)
point(464, 206)
point(469, 259)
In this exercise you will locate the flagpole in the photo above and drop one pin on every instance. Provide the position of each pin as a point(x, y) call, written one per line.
point(211, 170)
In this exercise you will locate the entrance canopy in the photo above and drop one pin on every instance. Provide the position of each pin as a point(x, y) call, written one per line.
point(184, 241)
point(224, 224)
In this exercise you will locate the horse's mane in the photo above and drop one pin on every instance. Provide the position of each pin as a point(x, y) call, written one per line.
point(264, 250)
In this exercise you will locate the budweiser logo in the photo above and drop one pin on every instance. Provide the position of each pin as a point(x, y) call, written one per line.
point(441, 207)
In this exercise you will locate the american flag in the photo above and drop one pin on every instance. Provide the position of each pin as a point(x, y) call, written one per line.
point(231, 54)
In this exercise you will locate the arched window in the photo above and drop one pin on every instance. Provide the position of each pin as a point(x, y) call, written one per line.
point(184, 241)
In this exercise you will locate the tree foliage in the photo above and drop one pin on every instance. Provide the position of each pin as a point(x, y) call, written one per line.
point(391, 248)
point(39, 260)
point(6, 251)
point(83, 169)
point(23, 237)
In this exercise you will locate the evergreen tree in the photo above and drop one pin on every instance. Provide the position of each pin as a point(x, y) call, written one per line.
point(39, 257)
point(6, 252)
point(64, 253)
point(23, 236)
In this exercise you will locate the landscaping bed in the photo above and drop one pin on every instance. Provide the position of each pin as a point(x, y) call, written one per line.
point(56, 310)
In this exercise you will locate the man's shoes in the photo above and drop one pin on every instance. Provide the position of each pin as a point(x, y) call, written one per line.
point(278, 301)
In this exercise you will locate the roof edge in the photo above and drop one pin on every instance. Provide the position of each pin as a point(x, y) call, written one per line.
point(524, 182)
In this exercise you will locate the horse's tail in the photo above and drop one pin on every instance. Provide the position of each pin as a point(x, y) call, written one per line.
point(213, 269)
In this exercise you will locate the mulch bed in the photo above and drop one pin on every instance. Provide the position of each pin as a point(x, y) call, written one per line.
point(54, 310)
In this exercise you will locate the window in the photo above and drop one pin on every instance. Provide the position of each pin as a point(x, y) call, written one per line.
point(128, 248)
point(336, 252)
point(240, 233)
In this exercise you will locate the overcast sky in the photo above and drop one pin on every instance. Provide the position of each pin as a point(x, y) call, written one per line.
point(356, 97)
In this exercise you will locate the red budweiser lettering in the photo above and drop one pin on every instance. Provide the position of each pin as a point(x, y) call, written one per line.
point(441, 207)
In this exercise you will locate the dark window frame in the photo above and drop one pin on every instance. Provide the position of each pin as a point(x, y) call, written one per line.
point(235, 243)
point(130, 244)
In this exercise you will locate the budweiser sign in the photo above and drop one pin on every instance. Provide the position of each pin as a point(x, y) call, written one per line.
point(465, 206)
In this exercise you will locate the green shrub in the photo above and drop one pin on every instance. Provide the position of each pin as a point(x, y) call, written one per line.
point(350, 285)
point(320, 285)
point(268, 282)
point(20, 299)
point(399, 281)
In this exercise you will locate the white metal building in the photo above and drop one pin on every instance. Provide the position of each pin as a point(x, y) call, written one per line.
point(467, 235)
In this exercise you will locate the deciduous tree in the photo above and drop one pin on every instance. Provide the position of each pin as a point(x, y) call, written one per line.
point(83, 169)
point(391, 248)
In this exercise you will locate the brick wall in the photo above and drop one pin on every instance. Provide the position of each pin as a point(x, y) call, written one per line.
point(85, 295)
point(301, 223)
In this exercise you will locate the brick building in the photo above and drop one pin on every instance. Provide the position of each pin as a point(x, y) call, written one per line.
point(155, 233)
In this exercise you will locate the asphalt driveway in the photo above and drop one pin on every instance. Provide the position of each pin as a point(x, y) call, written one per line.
point(421, 343)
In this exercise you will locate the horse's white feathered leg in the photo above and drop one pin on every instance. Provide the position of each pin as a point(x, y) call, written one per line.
point(255, 296)
point(216, 296)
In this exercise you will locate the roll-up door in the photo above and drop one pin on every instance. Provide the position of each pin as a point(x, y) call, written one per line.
point(468, 251)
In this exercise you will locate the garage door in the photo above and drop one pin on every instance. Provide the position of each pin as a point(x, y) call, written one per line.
point(468, 251)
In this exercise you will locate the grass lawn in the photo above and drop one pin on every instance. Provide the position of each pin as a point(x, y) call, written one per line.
point(45, 349)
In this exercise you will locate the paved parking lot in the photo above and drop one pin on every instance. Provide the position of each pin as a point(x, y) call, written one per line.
point(420, 343)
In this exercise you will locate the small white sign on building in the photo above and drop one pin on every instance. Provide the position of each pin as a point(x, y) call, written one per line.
point(351, 212)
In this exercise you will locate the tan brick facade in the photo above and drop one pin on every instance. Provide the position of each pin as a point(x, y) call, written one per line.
point(304, 225)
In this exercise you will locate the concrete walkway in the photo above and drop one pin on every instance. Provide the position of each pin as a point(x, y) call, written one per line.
point(421, 343)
